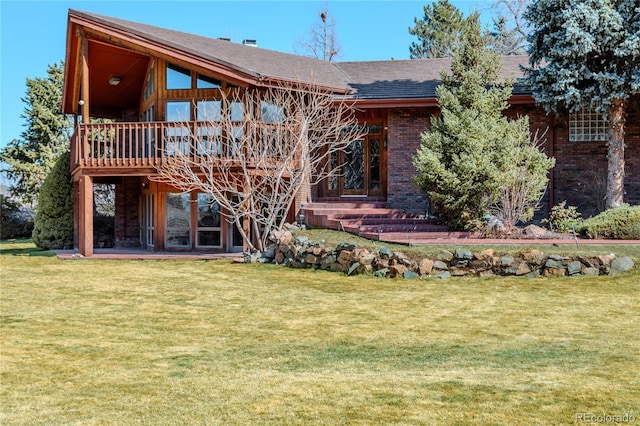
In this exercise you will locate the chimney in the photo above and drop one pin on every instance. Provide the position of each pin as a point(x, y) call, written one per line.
point(250, 42)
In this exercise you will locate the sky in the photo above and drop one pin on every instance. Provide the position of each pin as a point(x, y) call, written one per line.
point(33, 33)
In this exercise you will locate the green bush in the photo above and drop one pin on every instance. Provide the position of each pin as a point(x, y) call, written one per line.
point(620, 223)
point(563, 218)
point(15, 221)
point(53, 227)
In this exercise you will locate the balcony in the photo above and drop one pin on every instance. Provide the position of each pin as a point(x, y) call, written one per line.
point(139, 148)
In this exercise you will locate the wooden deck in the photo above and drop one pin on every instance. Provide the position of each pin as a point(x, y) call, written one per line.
point(139, 148)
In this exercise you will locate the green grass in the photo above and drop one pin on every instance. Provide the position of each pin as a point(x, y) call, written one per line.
point(96, 342)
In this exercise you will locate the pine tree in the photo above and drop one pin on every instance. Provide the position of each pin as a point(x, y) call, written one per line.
point(585, 53)
point(30, 158)
point(53, 224)
point(466, 157)
point(439, 33)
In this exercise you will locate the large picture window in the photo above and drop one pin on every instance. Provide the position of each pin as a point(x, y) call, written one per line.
point(587, 125)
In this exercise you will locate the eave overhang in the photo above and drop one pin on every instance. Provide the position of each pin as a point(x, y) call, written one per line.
point(519, 99)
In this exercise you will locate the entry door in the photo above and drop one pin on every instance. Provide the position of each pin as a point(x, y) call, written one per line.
point(361, 171)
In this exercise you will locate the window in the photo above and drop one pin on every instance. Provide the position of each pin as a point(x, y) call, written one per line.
point(587, 125)
point(178, 111)
point(177, 137)
point(209, 231)
point(237, 111)
point(178, 230)
point(149, 114)
point(147, 220)
point(148, 134)
point(204, 82)
point(236, 138)
point(209, 111)
point(333, 171)
point(178, 77)
point(271, 113)
point(208, 134)
point(149, 85)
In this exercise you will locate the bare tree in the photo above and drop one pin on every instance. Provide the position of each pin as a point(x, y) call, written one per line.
point(525, 169)
point(321, 42)
point(509, 36)
point(256, 163)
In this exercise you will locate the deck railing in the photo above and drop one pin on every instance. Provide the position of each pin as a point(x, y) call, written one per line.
point(149, 144)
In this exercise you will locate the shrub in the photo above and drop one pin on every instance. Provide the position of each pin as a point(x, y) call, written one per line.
point(620, 223)
point(53, 228)
point(563, 218)
point(15, 221)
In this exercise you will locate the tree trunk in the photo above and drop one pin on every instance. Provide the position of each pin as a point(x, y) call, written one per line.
point(615, 155)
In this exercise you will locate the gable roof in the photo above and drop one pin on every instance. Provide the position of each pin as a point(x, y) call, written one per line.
point(365, 80)
point(251, 61)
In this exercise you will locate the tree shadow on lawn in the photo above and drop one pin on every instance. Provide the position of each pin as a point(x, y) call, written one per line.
point(18, 248)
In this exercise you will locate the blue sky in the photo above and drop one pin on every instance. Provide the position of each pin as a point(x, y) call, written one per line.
point(33, 33)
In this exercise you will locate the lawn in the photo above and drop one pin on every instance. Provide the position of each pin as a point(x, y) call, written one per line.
point(97, 342)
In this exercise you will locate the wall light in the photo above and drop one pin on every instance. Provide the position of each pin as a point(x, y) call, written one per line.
point(114, 81)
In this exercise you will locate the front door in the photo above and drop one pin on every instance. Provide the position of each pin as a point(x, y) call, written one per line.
point(361, 166)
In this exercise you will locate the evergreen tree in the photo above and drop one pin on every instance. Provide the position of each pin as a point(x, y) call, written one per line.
point(585, 53)
point(53, 224)
point(439, 32)
point(30, 158)
point(465, 157)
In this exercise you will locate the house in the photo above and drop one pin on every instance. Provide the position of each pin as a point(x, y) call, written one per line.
point(144, 78)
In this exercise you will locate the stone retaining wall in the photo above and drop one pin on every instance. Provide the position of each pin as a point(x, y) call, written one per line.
point(352, 260)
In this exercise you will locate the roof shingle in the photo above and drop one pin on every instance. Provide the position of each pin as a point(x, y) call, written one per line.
point(370, 80)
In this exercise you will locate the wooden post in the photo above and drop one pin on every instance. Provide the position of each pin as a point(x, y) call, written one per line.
point(85, 216)
point(76, 213)
point(85, 80)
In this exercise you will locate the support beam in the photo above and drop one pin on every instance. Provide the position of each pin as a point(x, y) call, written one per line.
point(85, 80)
point(85, 216)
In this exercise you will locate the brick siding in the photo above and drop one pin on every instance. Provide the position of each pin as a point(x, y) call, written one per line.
point(578, 177)
point(404, 127)
point(127, 222)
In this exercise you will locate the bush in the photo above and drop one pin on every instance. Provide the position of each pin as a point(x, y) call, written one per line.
point(15, 221)
point(563, 218)
point(53, 228)
point(619, 223)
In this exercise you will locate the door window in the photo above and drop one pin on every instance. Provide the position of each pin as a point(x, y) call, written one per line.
point(208, 232)
point(178, 229)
